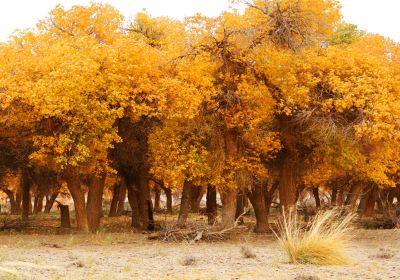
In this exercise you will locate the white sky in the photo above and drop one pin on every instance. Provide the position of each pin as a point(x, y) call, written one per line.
point(375, 16)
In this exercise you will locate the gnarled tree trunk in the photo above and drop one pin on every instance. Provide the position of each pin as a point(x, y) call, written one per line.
point(133, 198)
point(26, 196)
point(50, 201)
point(121, 199)
point(114, 201)
point(334, 196)
point(257, 199)
point(13, 204)
point(145, 205)
point(228, 195)
point(168, 194)
point(74, 186)
point(353, 195)
point(196, 195)
point(240, 201)
point(289, 167)
point(211, 204)
point(371, 198)
point(316, 197)
point(228, 199)
point(94, 207)
point(38, 203)
point(157, 195)
point(185, 203)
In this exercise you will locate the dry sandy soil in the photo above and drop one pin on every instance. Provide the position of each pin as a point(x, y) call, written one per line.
point(128, 255)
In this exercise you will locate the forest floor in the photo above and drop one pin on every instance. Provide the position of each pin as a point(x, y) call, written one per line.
point(41, 251)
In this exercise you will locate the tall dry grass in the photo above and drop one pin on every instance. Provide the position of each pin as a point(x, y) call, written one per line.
point(322, 241)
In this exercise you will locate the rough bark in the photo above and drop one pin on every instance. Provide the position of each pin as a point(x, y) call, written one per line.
point(371, 198)
point(288, 180)
point(121, 199)
point(196, 196)
point(241, 196)
point(26, 196)
point(185, 203)
point(334, 196)
point(269, 195)
point(168, 194)
point(157, 195)
point(257, 200)
point(64, 215)
point(289, 167)
point(145, 208)
point(340, 199)
point(114, 201)
point(50, 201)
point(38, 205)
point(353, 195)
point(228, 196)
point(316, 197)
point(18, 199)
point(228, 199)
point(94, 207)
point(211, 204)
point(13, 203)
point(133, 199)
point(74, 186)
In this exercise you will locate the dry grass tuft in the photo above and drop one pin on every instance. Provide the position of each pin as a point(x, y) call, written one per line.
point(321, 242)
point(247, 253)
point(188, 260)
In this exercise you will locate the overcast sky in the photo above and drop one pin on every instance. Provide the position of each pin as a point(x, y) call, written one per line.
point(376, 16)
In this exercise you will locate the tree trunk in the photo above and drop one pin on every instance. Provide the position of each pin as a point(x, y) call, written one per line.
point(145, 208)
point(228, 195)
point(211, 204)
point(13, 204)
point(288, 180)
point(133, 198)
point(168, 194)
point(26, 196)
point(371, 198)
point(316, 197)
point(114, 201)
point(334, 196)
point(121, 199)
point(257, 199)
point(38, 205)
point(196, 195)
point(340, 200)
point(50, 201)
point(269, 195)
point(157, 195)
point(18, 199)
point(64, 215)
point(241, 196)
point(353, 195)
point(94, 207)
point(228, 199)
point(74, 186)
point(185, 203)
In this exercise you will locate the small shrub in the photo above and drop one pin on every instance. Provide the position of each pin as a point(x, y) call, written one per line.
point(247, 253)
point(189, 260)
point(321, 242)
point(385, 254)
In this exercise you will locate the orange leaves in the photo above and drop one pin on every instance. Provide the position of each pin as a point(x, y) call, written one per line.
point(83, 70)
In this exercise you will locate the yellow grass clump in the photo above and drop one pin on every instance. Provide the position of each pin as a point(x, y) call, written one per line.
point(322, 241)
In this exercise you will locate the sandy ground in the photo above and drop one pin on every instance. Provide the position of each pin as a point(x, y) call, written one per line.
point(131, 256)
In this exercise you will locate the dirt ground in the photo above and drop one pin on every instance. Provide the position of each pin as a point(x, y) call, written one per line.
point(128, 255)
